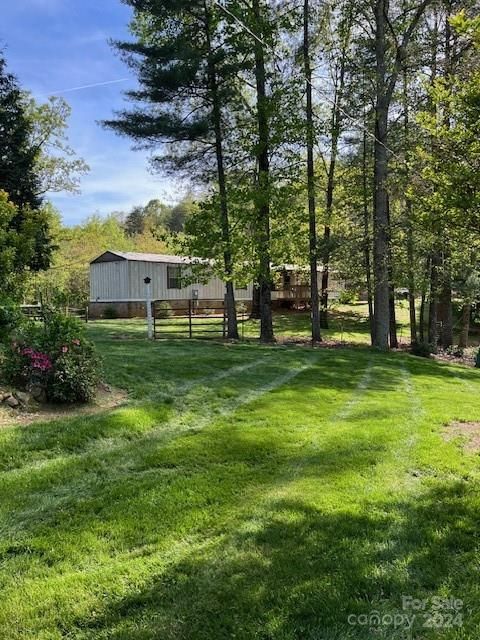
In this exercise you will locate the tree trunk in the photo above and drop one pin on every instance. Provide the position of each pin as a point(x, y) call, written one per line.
point(391, 290)
point(232, 325)
point(263, 186)
point(409, 216)
point(336, 127)
point(423, 301)
point(412, 316)
point(411, 279)
point(380, 209)
point(445, 312)
point(421, 320)
point(255, 312)
point(385, 86)
point(433, 303)
point(326, 245)
point(312, 216)
point(366, 231)
point(393, 318)
point(325, 280)
point(465, 326)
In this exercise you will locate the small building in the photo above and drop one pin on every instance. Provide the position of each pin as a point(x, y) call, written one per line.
point(117, 281)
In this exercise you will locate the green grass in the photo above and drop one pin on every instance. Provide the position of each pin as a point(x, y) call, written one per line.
point(243, 492)
point(348, 323)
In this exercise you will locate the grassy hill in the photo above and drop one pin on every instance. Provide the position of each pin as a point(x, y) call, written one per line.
point(244, 492)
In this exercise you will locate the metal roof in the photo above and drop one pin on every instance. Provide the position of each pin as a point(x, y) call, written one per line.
point(147, 257)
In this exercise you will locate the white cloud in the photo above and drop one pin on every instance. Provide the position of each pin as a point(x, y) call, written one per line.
point(117, 182)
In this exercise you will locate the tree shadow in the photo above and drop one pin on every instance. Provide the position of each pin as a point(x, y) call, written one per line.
point(266, 566)
point(293, 570)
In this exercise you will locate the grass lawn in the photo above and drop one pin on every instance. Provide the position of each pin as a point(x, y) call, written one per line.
point(244, 492)
point(348, 323)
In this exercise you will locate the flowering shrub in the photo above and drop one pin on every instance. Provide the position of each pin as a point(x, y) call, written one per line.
point(55, 362)
point(74, 376)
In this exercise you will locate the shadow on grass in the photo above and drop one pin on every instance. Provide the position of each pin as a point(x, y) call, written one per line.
point(214, 388)
point(266, 567)
point(295, 571)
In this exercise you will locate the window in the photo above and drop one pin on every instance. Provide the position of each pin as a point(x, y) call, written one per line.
point(174, 277)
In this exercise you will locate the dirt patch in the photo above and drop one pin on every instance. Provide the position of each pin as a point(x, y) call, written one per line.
point(469, 432)
point(307, 342)
point(106, 399)
point(467, 359)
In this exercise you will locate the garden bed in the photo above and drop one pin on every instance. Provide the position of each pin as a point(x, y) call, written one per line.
point(25, 414)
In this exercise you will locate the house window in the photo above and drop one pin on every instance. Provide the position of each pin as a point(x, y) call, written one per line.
point(174, 277)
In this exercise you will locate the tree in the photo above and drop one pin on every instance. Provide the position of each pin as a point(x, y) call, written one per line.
point(20, 235)
point(18, 175)
point(451, 169)
point(312, 214)
point(56, 166)
point(337, 52)
point(135, 221)
point(183, 73)
point(258, 20)
point(391, 40)
point(18, 158)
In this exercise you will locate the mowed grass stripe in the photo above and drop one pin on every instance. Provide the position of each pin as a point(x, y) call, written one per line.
point(217, 534)
point(121, 564)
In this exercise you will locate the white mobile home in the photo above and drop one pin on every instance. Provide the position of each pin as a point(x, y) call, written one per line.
point(117, 280)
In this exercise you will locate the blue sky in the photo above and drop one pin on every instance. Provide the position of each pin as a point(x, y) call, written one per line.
point(56, 45)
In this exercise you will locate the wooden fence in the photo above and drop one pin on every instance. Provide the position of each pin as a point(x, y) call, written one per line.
point(35, 312)
point(191, 321)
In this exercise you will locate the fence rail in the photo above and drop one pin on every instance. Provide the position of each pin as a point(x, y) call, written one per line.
point(35, 312)
point(190, 321)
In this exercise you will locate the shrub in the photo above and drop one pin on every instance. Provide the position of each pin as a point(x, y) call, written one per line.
point(110, 313)
point(54, 362)
point(421, 349)
point(164, 310)
point(477, 360)
point(456, 351)
point(347, 297)
point(74, 375)
point(11, 319)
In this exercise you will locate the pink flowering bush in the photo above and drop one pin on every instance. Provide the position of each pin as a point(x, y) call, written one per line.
point(55, 361)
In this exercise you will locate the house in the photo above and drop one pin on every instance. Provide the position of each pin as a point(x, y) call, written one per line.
point(117, 282)
point(292, 286)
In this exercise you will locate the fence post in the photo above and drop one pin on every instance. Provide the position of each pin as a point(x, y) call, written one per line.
point(190, 318)
point(224, 326)
point(148, 299)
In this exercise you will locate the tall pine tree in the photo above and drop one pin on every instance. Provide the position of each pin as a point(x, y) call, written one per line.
point(185, 68)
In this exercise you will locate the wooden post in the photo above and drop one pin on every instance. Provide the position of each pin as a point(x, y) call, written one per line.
point(148, 297)
point(190, 318)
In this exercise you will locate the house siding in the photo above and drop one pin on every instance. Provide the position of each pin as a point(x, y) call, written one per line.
point(109, 281)
point(123, 281)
